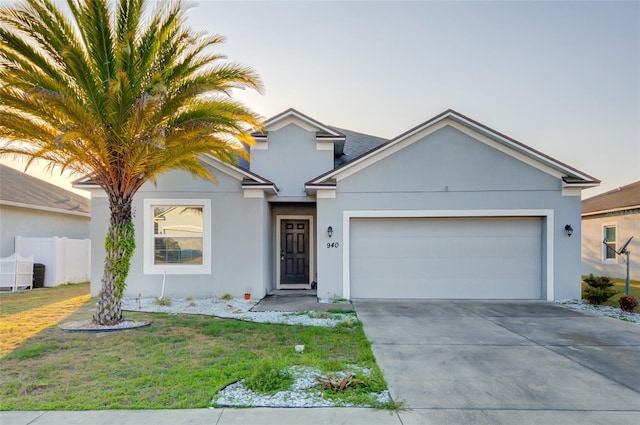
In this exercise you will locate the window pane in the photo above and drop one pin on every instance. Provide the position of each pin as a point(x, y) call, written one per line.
point(182, 220)
point(610, 237)
point(611, 250)
point(178, 250)
point(610, 234)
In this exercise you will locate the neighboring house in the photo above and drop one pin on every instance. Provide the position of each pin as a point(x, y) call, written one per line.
point(449, 209)
point(613, 216)
point(30, 207)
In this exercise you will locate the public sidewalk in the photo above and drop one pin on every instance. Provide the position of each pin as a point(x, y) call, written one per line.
point(222, 416)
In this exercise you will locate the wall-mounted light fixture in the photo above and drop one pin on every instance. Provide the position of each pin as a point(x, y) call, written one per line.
point(330, 231)
point(568, 229)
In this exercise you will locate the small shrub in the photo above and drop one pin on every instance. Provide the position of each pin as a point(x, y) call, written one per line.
point(598, 289)
point(163, 301)
point(226, 297)
point(189, 298)
point(348, 322)
point(268, 378)
point(628, 303)
point(192, 303)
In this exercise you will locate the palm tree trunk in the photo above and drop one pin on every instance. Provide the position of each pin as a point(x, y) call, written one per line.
point(119, 246)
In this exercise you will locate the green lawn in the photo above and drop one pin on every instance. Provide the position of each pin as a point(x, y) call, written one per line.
point(17, 302)
point(180, 361)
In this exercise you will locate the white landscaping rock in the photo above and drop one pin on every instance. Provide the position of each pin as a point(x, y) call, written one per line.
point(234, 309)
point(602, 310)
point(304, 392)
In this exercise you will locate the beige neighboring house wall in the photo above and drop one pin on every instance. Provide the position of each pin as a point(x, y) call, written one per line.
point(30, 207)
point(614, 212)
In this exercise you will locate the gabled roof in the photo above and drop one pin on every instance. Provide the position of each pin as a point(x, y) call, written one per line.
point(22, 190)
point(571, 176)
point(322, 131)
point(348, 144)
point(620, 199)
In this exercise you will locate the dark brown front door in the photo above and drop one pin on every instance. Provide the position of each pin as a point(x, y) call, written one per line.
point(294, 252)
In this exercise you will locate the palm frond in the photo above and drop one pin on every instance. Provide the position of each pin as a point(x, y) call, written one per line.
point(108, 90)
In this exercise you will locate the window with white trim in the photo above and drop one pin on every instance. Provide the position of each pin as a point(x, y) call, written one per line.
point(177, 236)
point(611, 246)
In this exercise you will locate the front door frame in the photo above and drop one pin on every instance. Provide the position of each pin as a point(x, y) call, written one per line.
point(312, 264)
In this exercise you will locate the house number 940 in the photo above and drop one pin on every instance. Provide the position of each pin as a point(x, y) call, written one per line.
point(333, 244)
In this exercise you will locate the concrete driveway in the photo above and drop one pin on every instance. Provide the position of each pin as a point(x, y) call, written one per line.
point(504, 362)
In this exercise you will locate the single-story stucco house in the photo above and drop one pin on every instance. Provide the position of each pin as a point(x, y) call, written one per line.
point(448, 209)
point(45, 225)
point(31, 207)
point(613, 216)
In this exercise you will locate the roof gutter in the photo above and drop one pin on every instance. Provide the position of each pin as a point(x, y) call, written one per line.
point(43, 208)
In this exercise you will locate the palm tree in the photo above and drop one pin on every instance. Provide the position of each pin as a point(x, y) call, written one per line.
point(109, 90)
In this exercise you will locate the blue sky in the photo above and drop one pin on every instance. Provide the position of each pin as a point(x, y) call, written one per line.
point(561, 77)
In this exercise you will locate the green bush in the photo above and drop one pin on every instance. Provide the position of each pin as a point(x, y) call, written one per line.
point(268, 378)
point(163, 301)
point(628, 303)
point(598, 289)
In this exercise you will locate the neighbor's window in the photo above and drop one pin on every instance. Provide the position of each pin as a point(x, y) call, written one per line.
point(177, 236)
point(610, 238)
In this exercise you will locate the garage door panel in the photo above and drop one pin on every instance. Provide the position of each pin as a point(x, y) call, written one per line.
point(446, 258)
point(514, 248)
point(463, 288)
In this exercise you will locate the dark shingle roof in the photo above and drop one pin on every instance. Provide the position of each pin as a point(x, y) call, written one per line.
point(625, 197)
point(19, 188)
point(355, 145)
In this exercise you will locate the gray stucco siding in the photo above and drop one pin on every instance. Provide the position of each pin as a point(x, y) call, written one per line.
point(179, 181)
point(27, 222)
point(291, 159)
point(449, 171)
point(449, 159)
point(99, 228)
point(238, 257)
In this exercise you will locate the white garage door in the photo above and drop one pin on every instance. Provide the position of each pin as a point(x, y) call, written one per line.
point(473, 258)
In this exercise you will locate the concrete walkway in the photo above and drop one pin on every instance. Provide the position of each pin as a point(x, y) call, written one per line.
point(257, 416)
point(296, 301)
point(485, 362)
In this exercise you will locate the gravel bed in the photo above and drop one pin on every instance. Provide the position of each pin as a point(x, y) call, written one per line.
point(603, 310)
point(304, 392)
point(235, 309)
point(89, 326)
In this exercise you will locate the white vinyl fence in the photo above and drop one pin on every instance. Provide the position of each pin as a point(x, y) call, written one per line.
point(65, 260)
